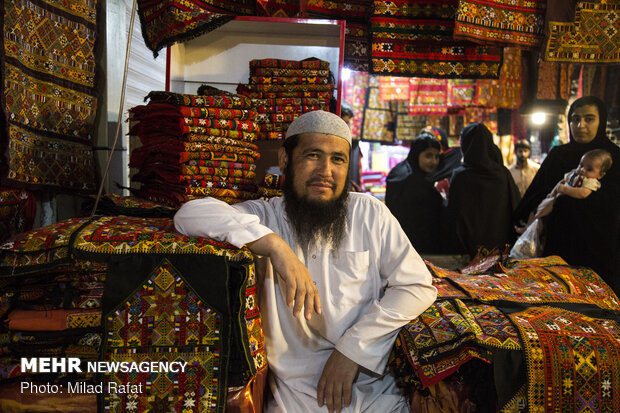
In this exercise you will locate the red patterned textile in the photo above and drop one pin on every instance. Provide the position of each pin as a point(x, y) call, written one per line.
point(277, 8)
point(270, 90)
point(356, 13)
point(167, 22)
point(517, 23)
point(428, 96)
point(415, 38)
point(573, 357)
point(218, 132)
point(393, 88)
point(354, 89)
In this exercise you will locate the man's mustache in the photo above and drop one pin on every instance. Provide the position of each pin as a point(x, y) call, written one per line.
point(321, 181)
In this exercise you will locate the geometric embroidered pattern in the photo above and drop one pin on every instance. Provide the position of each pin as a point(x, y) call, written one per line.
point(594, 36)
point(517, 23)
point(129, 235)
point(415, 38)
point(572, 360)
point(165, 321)
point(50, 96)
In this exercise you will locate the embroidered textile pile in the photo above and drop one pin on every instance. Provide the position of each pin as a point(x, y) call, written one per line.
point(49, 99)
point(540, 323)
point(282, 90)
point(195, 146)
point(130, 289)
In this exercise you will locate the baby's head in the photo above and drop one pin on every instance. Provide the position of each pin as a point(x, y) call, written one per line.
point(595, 164)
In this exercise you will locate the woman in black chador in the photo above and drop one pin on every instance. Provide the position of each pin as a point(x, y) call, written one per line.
point(581, 231)
point(412, 198)
point(482, 196)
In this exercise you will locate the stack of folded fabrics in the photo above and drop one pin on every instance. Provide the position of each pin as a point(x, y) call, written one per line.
point(53, 312)
point(195, 146)
point(282, 90)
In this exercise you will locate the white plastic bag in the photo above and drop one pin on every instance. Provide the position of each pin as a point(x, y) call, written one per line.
point(529, 244)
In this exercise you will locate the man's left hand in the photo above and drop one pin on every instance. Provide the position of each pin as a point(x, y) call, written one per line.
point(336, 382)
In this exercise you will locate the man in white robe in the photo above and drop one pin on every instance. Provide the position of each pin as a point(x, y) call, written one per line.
point(340, 257)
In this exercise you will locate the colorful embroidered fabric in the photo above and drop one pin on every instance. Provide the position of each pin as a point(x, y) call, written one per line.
point(408, 127)
point(17, 210)
point(593, 37)
point(572, 360)
point(428, 96)
point(40, 248)
point(517, 23)
point(356, 14)
point(130, 235)
point(450, 333)
point(378, 116)
point(181, 329)
point(209, 320)
point(167, 22)
point(554, 81)
point(393, 88)
point(354, 92)
point(311, 63)
point(506, 91)
point(415, 38)
point(277, 8)
point(224, 101)
point(462, 92)
point(563, 320)
point(173, 134)
point(275, 118)
point(49, 94)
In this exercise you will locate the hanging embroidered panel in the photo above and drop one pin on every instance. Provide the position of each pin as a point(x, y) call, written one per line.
point(378, 116)
point(506, 91)
point(428, 96)
point(554, 80)
point(572, 360)
point(277, 8)
point(461, 92)
point(517, 23)
point(355, 93)
point(393, 88)
point(415, 38)
point(407, 127)
point(593, 37)
point(357, 37)
point(49, 93)
point(167, 22)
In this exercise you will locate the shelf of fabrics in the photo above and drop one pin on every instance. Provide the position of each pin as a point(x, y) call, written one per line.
point(501, 330)
point(282, 90)
point(122, 289)
point(195, 146)
point(220, 58)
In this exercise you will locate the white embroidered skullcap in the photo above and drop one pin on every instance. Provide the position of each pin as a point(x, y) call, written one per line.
point(320, 121)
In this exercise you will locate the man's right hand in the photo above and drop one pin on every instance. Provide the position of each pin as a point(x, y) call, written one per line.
point(295, 281)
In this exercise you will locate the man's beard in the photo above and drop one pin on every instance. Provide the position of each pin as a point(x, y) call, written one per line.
point(315, 222)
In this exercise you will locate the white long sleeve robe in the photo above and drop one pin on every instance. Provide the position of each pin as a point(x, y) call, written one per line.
point(374, 285)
